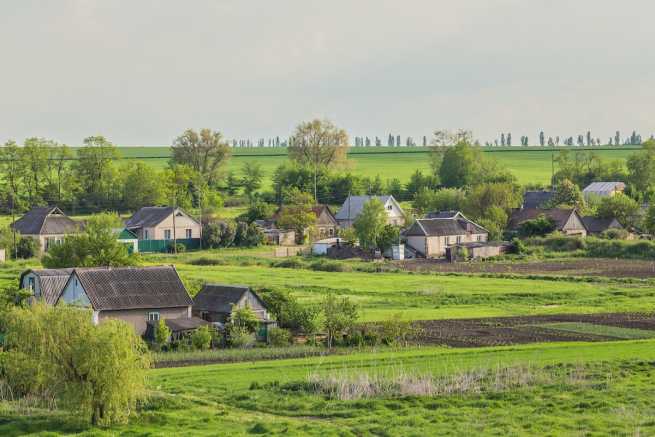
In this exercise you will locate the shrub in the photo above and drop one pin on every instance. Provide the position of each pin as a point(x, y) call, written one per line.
point(329, 266)
point(201, 338)
point(240, 337)
point(289, 313)
point(289, 263)
point(162, 333)
point(539, 226)
point(27, 247)
point(176, 248)
point(279, 337)
point(206, 261)
point(614, 234)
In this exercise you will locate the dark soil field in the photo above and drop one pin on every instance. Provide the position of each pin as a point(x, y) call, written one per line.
point(520, 330)
point(604, 267)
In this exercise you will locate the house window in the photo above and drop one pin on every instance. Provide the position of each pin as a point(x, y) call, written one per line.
point(479, 237)
point(389, 207)
point(459, 239)
point(204, 315)
point(331, 231)
point(146, 235)
point(30, 283)
point(167, 234)
point(187, 233)
point(153, 316)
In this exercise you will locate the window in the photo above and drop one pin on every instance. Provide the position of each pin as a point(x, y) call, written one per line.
point(204, 315)
point(459, 239)
point(331, 231)
point(479, 237)
point(447, 241)
point(187, 233)
point(389, 207)
point(30, 283)
point(146, 235)
point(153, 316)
point(167, 234)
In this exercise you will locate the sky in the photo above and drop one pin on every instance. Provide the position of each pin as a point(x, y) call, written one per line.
point(140, 72)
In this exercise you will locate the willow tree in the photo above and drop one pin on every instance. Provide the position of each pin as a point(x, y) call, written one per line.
point(318, 143)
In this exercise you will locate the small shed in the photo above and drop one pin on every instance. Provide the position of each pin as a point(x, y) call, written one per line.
point(321, 247)
point(129, 239)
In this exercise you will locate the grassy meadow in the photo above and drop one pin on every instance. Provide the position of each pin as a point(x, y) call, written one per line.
point(531, 166)
point(602, 389)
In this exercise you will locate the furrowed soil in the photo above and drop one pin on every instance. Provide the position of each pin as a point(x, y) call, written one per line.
point(500, 331)
point(602, 267)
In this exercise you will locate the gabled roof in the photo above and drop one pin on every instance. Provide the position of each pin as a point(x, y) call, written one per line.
point(353, 205)
point(537, 199)
point(599, 225)
point(124, 288)
point(47, 220)
point(126, 234)
point(558, 215)
point(51, 282)
point(449, 224)
point(151, 216)
point(443, 214)
point(603, 187)
point(220, 298)
point(320, 209)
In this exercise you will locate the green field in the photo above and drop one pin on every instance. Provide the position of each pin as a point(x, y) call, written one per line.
point(530, 166)
point(608, 391)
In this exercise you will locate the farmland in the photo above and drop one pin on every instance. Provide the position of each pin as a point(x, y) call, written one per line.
point(530, 166)
point(605, 388)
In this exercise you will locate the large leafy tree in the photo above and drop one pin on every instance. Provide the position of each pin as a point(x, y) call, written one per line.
point(96, 246)
point(619, 206)
point(35, 156)
point(11, 171)
point(252, 178)
point(339, 315)
point(297, 213)
point(96, 173)
point(57, 352)
point(568, 194)
point(318, 144)
point(205, 152)
point(370, 223)
point(143, 186)
point(641, 168)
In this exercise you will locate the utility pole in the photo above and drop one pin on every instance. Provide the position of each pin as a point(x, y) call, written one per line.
point(174, 214)
point(200, 203)
point(13, 220)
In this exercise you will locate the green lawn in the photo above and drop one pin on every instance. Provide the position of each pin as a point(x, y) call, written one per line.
point(529, 166)
point(610, 391)
point(604, 330)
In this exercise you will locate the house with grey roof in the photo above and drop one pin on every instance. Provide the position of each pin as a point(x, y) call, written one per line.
point(157, 226)
point(431, 237)
point(135, 295)
point(602, 189)
point(596, 226)
point(566, 221)
point(353, 206)
point(46, 284)
point(215, 303)
point(48, 225)
point(537, 199)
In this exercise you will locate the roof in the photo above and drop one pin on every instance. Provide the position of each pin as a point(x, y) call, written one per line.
point(443, 214)
point(182, 324)
point(353, 205)
point(47, 220)
point(537, 199)
point(124, 288)
point(604, 187)
point(126, 234)
point(558, 215)
point(151, 216)
point(220, 297)
point(449, 224)
point(598, 225)
point(51, 282)
point(319, 209)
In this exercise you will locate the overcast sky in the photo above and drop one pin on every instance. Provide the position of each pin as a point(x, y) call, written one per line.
point(140, 72)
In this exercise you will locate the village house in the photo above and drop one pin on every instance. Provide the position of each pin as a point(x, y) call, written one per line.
point(596, 226)
point(602, 189)
point(326, 223)
point(48, 225)
point(215, 302)
point(537, 199)
point(431, 237)
point(135, 295)
point(353, 206)
point(567, 221)
point(156, 227)
point(275, 236)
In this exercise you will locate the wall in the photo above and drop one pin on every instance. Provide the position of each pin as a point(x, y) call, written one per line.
point(138, 318)
point(181, 224)
point(74, 293)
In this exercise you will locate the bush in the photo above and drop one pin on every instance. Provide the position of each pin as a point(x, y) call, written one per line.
point(206, 261)
point(559, 243)
point(27, 247)
point(329, 266)
point(614, 234)
point(289, 313)
point(176, 248)
point(289, 263)
point(539, 226)
point(201, 338)
point(279, 337)
point(240, 337)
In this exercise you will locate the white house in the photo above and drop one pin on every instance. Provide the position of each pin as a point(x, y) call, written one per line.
point(353, 206)
point(432, 236)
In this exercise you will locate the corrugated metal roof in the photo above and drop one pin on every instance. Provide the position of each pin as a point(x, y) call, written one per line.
point(353, 205)
point(220, 298)
point(604, 187)
point(48, 220)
